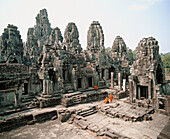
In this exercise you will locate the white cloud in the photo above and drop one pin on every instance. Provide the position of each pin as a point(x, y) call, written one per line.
point(137, 7)
point(152, 1)
point(143, 5)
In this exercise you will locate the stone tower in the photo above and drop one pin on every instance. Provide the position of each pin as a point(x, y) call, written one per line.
point(56, 38)
point(11, 46)
point(71, 39)
point(95, 38)
point(38, 36)
point(119, 52)
point(147, 73)
point(119, 47)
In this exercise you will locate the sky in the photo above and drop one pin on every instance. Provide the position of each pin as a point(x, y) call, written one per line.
point(130, 19)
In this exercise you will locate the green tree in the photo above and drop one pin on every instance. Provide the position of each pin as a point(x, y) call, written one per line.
point(166, 63)
point(131, 55)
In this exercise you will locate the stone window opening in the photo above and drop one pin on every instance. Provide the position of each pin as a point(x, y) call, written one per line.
point(161, 102)
point(90, 81)
point(25, 92)
point(2, 86)
point(64, 47)
point(14, 61)
point(51, 74)
point(97, 69)
point(102, 73)
point(41, 85)
point(79, 83)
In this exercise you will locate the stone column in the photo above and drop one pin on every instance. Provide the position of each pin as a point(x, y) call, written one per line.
point(66, 75)
point(100, 74)
point(149, 90)
point(124, 84)
point(130, 90)
point(106, 74)
point(74, 81)
point(134, 89)
point(138, 92)
point(17, 101)
point(44, 87)
point(47, 84)
point(119, 81)
point(112, 82)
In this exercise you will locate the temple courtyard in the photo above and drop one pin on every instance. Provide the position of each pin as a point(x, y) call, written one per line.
point(91, 120)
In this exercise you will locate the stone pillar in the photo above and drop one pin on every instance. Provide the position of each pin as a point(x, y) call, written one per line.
point(134, 89)
point(100, 74)
point(112, 82)
point(149, 90)
point(47, 88)
point(130, 90)
point(124, 84)
point(119, 81)
point(16, 99)
point(138, 92)
point(50, 87)
point(66, 75)
point(106, 74)
point(44, 87)
point(74, 81)
point(17, 93)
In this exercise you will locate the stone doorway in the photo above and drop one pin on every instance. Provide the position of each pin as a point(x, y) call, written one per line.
point(159, 75)
point(103, 73)
point(14, 61)
point(79, 82)
point(90, 82)
point(111, 70)
point(25, 88)
point(142, 92)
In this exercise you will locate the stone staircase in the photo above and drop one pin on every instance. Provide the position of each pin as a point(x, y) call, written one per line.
point(27, 100)
point(71, 99)
point(87, 111)
point(76, 99)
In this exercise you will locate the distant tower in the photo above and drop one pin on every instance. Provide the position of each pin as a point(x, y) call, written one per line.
point(71, 39)
point(95, 38)
point(11, 46)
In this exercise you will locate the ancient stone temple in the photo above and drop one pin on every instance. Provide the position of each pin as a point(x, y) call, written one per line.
point(12, 70)
point(51, 69)
point(147, 79)
point(54, 70)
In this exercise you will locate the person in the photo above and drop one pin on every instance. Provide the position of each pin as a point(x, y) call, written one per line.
point(111, 97)
point(106, 100)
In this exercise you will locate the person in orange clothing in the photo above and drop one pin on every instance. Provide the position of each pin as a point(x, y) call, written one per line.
point(111, 97)
point(106, 100)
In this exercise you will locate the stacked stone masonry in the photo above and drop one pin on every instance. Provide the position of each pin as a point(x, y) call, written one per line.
point(49, 68)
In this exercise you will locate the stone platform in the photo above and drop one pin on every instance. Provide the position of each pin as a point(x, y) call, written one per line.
point(83, 121)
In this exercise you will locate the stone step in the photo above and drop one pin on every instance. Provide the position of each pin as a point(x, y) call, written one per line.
point(88, 113)
point(27, 100)
point(77, 102)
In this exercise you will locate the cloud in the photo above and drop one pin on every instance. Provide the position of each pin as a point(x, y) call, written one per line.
point(151, 2)
point(137, 7)
point(143, 5)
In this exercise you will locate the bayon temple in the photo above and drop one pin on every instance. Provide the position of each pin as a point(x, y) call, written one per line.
point(51, 69)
